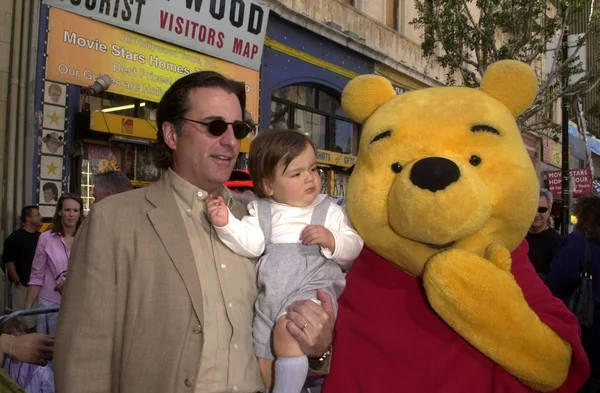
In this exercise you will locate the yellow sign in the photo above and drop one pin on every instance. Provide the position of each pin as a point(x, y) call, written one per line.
point(123, 125)
point(81, 49)
point(337, 159)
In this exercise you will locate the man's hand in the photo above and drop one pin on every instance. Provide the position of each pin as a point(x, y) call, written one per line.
point(318, 234)
point(218, 214)
point(312, 324)
point(31, 348)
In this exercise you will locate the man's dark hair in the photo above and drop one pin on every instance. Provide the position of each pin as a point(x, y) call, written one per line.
point(270, 148)
point(174, 105)
point(114, 182)
point(587, 211)
point(27, 211)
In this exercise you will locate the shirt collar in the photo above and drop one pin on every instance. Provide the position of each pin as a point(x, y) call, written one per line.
point(189, 193)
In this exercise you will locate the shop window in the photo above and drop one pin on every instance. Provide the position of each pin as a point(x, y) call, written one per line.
point(391, 13)
point(280, 115)
point(298, 94)
point(121, 105)
point(311, 124)
point(132, 159)
point(316, 113)
point(345, 136)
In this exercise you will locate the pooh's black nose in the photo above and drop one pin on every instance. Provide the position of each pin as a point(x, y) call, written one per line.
point(434, 173)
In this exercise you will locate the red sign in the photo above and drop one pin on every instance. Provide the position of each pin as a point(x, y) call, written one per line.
point(581, 179)
point(127, 125)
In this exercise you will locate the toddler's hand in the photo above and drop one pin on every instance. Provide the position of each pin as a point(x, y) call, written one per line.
point(218, 214)
point(318, 234)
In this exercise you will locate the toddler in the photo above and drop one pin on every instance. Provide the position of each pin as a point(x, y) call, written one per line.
point(302, 237)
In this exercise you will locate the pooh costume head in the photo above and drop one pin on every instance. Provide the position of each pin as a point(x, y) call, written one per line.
point(443, 167)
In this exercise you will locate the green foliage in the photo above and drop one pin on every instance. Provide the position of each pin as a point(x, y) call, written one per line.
point(466, 36)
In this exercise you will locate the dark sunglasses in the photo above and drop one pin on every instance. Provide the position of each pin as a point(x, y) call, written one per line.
point(542, 209)
point(218, 127)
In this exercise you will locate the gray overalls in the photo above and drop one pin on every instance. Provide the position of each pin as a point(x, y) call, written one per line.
point(287, 272)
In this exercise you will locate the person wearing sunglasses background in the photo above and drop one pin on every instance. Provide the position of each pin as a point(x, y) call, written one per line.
point(543, 240)
point(154, 302)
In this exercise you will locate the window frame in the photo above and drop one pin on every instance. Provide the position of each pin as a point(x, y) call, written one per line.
point(330, 116)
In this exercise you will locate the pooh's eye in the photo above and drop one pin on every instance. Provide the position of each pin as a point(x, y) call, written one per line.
point(396, 167)
point(475, 160)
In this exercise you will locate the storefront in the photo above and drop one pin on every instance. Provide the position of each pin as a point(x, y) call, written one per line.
point(302, 78)
point(80, 134)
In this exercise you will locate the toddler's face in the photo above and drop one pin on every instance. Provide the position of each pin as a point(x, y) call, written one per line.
point(299, 184)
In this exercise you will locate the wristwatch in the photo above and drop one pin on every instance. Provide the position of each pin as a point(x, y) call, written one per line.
point(18, 282)
point(315, 363)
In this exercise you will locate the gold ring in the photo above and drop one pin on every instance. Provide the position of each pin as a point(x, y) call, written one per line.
point(305, 325)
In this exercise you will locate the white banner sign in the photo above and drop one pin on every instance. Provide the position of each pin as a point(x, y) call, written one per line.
point(232, 30)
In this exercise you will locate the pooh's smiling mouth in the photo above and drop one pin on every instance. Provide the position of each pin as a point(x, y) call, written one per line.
point(439, 246)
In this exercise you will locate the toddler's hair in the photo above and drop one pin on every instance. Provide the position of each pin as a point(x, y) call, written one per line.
point(270, 148)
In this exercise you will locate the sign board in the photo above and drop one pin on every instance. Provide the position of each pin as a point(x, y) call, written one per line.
point(581, 179)
point(80, 49)
point(552, 152)
point(231, 30)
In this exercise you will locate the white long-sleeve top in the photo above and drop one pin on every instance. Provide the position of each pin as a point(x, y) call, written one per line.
point(245, 237)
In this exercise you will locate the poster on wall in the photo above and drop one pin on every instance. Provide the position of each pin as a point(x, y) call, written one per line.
point(230, 30)
point(51, 167)
point(53, 142)
point(340, 185)
point(55, 93)
point(145, 170)
point(103, 158)
point(50, 191)
point(47, 212)
point(139, 66)
point(54, 117)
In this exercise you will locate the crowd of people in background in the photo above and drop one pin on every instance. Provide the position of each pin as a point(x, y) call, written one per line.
point(560, 262)
point(36, 265)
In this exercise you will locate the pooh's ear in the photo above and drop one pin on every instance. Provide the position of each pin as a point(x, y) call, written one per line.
point(364, 95)
point(511, 82)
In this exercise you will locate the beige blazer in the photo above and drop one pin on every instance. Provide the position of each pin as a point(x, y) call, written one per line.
point(134, 323)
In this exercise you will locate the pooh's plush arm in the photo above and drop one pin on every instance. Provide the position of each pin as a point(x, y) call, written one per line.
point(509, 315)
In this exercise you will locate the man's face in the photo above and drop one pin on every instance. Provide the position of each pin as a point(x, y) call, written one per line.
point(55, 95)
point(199, 157)
point(49, 195)
point(35, 218)
point(541, 217)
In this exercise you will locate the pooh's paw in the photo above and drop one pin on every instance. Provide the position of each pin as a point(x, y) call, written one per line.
point(469, 291)
point(466, 276)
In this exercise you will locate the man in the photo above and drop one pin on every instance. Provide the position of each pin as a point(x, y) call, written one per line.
point(110, 183)
point(542, 239)
point(19, 249)
point(154, 302)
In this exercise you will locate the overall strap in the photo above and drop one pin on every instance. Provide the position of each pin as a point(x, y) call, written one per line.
point(320, 212)
point(264, 218)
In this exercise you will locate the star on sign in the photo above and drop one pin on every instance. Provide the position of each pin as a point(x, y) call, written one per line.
point(54, 118)
point(52, 168)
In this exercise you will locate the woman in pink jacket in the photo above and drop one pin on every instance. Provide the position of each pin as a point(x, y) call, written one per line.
point(51, 260)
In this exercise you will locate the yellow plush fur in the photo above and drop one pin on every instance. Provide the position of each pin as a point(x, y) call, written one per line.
point(446, 234)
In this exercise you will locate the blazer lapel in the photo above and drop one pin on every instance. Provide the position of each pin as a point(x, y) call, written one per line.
point(169, 226)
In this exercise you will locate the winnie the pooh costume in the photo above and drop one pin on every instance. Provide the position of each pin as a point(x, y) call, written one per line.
point(442, 193)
